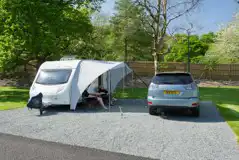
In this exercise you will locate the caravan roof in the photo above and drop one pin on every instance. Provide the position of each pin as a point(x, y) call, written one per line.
point(68, 64)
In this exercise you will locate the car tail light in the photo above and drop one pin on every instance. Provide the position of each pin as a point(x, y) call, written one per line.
point(195, 104)
point(150, 103)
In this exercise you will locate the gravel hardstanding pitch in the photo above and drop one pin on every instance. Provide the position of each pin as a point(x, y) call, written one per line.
point(134, 132)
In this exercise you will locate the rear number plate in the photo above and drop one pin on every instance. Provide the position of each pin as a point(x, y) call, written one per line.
point(171, 92)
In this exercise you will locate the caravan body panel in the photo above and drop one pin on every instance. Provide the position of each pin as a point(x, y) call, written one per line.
point(54, 81)
point(53, 95)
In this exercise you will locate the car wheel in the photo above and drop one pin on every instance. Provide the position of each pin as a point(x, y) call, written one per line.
point(196, 112)
point(152, 111)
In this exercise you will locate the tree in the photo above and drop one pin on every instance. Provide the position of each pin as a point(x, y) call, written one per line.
point(179, 50)
point(98, 43)
point(129, 35)
point(198, 47)
point(102, 38)
point(226, 46)
point(157, 17)
point(40, 30)
point(208, 38)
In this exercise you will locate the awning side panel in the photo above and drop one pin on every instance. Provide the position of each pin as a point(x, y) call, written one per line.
point(117, 74)
point(90, 70)
point(75, 90)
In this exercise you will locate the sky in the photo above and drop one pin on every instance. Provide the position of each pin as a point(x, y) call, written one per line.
point(210, 15)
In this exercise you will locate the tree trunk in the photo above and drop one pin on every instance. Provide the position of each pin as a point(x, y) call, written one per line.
point(155, 63)
point(155, 56)
point(125, 49)
point(39, 62)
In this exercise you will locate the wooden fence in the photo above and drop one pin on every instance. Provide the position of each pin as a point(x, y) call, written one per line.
point(219, 72)
point(146, 68)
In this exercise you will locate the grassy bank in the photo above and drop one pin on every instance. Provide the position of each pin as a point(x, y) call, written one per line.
point(227, 101)
point(11, 98)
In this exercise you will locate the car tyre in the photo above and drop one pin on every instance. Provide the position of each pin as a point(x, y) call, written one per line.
point(152, 111)
point(196, 112)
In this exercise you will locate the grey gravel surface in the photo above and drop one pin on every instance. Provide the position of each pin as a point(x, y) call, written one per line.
point(20, 148)
point(134, 132)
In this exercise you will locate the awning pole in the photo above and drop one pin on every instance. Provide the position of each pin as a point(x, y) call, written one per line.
point(109, 84)
point(123, 79)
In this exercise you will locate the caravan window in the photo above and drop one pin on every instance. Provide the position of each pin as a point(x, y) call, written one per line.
point(53, 77)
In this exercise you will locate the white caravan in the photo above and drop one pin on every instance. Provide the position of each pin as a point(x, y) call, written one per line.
point(63, 82)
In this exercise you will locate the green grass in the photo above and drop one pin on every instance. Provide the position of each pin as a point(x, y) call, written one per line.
point(11, 98)
point(131, 93)
point(226, 99)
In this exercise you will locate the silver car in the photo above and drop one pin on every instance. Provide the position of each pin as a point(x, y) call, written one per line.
point(173, 90)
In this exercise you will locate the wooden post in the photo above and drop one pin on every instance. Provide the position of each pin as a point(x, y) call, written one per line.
point(230, 72)
point(185, 67)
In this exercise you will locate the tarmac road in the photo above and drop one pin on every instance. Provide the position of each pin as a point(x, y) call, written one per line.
point(20, 148)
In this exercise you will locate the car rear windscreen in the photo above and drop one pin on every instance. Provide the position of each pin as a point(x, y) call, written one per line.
point(177, 78)
point(53, 77)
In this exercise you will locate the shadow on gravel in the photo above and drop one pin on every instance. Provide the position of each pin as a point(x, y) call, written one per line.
point(208, 111)
point(208, 114)
point(48, 113)
point(54, 110)
point(133, 106)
